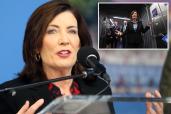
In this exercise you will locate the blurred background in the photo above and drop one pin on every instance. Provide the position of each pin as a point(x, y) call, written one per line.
point(132, 71)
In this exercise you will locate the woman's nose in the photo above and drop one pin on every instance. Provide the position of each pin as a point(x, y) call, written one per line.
point(63, 40)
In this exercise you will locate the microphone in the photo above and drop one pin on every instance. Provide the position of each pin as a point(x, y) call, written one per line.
point(88, 57)
point(12, 90)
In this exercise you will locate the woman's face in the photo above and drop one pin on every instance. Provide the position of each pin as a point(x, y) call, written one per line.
point(61, 42)
point(134, 15)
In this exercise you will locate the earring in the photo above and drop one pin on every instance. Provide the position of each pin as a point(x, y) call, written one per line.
point(37, 57)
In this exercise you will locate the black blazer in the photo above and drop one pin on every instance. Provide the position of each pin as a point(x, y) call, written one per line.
point(11, 104)
point(134, 38)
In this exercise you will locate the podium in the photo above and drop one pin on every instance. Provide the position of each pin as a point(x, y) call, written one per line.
point(80, 105)
point(92, 104)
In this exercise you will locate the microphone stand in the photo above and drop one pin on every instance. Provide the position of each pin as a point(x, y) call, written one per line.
point(13, 89)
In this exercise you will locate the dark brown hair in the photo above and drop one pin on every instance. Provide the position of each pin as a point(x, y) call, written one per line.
point(132, 12)
point(35, 31)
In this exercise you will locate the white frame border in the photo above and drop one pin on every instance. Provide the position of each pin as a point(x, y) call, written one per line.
point(137, 48)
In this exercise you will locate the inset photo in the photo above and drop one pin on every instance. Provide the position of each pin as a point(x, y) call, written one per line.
point(133, 25)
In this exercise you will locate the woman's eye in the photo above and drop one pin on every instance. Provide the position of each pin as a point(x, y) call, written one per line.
point(73, 31)
point(51, 31)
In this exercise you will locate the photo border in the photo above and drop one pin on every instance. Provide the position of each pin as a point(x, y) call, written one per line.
point(168, 34)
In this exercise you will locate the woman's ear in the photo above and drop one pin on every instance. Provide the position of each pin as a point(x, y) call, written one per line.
point(37, 56)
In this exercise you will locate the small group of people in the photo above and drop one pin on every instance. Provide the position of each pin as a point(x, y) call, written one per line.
point(53, 36)
point(128, 35)
point(111, 39)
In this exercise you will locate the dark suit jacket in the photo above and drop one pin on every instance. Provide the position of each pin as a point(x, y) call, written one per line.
point(134, 38)
point(11, 104)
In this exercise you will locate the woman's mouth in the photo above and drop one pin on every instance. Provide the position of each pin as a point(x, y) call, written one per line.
point(64, 53)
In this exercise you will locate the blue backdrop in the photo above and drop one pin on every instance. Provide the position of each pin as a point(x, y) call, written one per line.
point(14, 15)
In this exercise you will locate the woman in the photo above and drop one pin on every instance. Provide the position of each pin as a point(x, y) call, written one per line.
point(134, 31)
point(53, 35)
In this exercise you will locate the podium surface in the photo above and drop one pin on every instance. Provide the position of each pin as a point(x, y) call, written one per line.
point(92, 104)
point(80, 105)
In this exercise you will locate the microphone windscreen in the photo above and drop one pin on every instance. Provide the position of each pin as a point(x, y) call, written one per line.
point(83, 54)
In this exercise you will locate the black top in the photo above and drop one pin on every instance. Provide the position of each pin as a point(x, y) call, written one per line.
point(11, 104)
point(134, 37)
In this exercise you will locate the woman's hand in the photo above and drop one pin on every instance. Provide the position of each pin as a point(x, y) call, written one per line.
point(154, 107)
point(26, 109)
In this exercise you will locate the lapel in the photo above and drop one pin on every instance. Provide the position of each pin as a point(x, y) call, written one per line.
point(138, 26)
point(131, 26)
point(42, 92)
